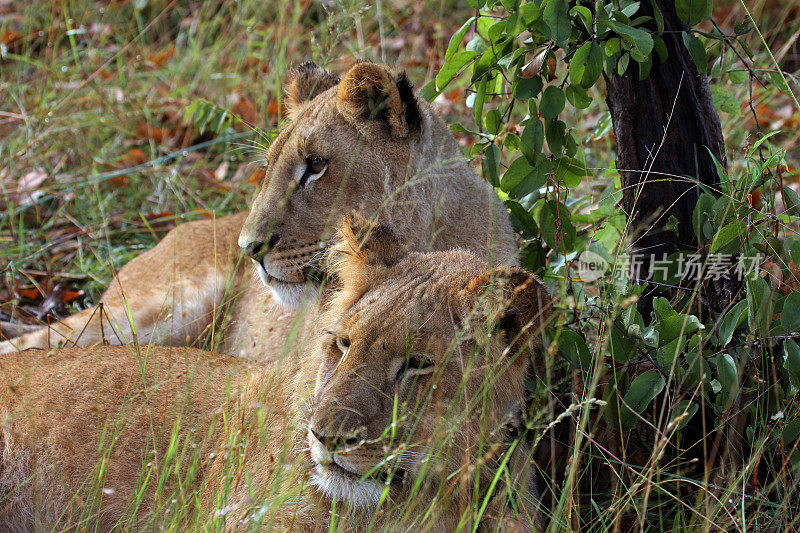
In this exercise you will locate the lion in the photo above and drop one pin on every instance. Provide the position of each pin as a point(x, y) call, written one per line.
point(364, 143)
point(404, 413)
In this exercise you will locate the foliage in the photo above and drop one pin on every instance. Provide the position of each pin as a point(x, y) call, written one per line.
point(96, 170)
point(685, 372)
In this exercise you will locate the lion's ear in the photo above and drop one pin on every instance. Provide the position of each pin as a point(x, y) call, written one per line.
point(517, 303)
point(362, 248)
point(371, 93)
point(305, 82)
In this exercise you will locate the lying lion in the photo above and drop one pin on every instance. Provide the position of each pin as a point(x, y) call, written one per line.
point(404, 414)
point(363, 144)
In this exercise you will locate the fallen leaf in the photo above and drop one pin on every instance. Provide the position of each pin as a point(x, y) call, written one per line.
point(10, 36)
point(222, 171)
point(145, 132)
point(244, 109)
point(28, 185)
point(256, 177)
point(158, 59)
point(255, 63)
point(273, 110)
point(132, 158)
point(30, 294)
point(70, 296)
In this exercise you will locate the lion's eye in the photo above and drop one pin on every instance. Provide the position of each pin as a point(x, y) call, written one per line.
point(314, 167)
point(343, 343)
point(316, 164)
point(415, 365)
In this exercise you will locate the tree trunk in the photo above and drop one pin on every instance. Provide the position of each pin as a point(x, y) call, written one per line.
point(665, 127)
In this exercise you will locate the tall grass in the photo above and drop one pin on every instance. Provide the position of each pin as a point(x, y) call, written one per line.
point(99, 161)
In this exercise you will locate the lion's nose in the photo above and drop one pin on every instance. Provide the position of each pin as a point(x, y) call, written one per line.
point(258, 249)
point(334, 441)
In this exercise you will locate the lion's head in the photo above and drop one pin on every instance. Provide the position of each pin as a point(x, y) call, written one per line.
point(364, 143)
point(422, 363)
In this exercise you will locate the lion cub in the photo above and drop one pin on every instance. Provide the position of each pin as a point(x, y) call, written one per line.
point(402, 414)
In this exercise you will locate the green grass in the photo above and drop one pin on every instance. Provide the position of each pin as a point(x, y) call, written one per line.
point(93, 101)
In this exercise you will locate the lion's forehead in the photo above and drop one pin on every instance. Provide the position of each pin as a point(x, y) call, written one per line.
point(402, 310)
point(318, 122)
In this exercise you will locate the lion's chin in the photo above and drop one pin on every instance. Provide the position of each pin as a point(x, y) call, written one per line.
point(338, 484)
point(289, 295)
point(292, 296)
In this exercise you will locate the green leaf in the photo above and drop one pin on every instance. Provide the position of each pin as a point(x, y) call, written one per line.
point(496, 31)
point(792, 201)
point(759, 302)
point(570, 171)
point(555, 130)
point(492, 121)
point(731, 321)
point(530, 13)
point(727, 375)
point(659, 18)
point(429, 92)
point(779, 82)
point(556, 17)
point(574, 349)
point(644, 388)
point(585, 14)
point(452, 67)
point(532, 140)
point(660, 48)
point(697, 50)
point(621, 346)
point(488, 60)
point(790, 314)
point(641, 40)
point(556, 226)
point(480, 96)
point(613, 46)
point(622, 64)
point(578, 97)
point(662, 308)
point(725, 101)
point(491, 162)
point(693, 12)
point(532, 256)
point(666, 354)
point(695, 370)
point(586, 65)
point(738, 76)
point(455, 40)
point(729, 236)
point(792, 362)
point(644, 68)
point(519, 172)
point(484, 22)
point(533, 181)
point(552, 102)
point(683, 410)
point(630, 9)
point(703, 214)
point(477, 44)
point(678, 325)
point(526, 88)
point(522, 220)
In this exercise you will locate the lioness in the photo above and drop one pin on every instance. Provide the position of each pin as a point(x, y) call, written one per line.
point(403, 415)
point(363, 144)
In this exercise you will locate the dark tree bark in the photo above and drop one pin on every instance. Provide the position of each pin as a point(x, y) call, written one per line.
point(663, 126)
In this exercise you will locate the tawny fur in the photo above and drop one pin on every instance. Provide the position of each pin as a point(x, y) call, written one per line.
point(392, 160)
point(65, 410)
